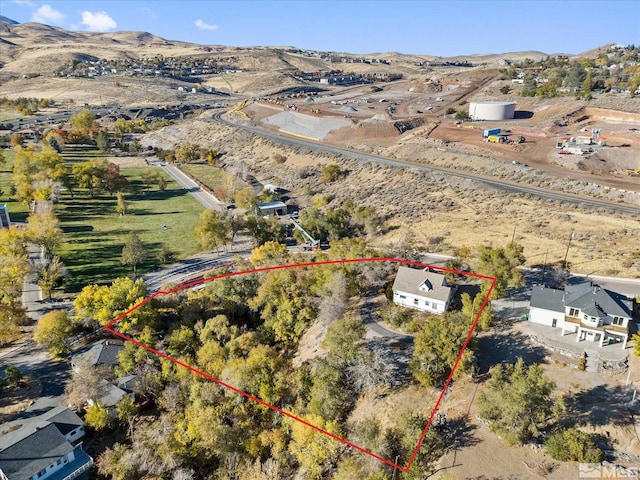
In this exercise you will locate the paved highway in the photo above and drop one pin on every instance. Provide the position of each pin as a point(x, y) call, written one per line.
point(549, 195)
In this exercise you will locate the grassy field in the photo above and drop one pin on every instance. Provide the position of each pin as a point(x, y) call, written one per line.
point(95, 234)
point(214, 177)
point(17, 210)
point(80, 153)
point(6, 115)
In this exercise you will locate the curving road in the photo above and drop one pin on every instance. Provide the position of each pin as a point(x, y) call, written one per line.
point(505, 185)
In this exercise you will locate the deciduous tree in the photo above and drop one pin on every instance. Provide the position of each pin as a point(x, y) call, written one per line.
point(97, 416)
point(265, 230)
point(271, 253)
point(31, 167)
point(52, 332)
point(113, 180)
point(121, 204)
point(90, 175)
point(104, 303)
point(283, 304)
point(245, 198)
point(212, 230)
point(187, 152)
point(43, 230)
point(14, 262)
point(83, 121)
point(133, 252)
point(314, 451)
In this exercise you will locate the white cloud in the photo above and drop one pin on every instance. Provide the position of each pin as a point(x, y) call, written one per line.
point(98, 21)
point(205, 26)
point(46, 14)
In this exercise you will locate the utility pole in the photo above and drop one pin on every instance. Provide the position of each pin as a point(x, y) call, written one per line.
point(564, 262)
point(513, 235)
point(544, 266)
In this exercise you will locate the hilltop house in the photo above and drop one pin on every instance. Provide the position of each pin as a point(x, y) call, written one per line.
point(422, 290)
point(41, 447)
point(588, 310)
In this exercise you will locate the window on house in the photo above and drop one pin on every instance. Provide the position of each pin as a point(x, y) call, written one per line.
point(618, 320)
point(415, 301)
point(403, 297)
point(574, 312)
point(435, 305)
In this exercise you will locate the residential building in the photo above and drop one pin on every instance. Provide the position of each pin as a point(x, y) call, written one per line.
point(591, 312)
point(422, 289)
point(41, 448)
point(110, 395)
point(102, 353)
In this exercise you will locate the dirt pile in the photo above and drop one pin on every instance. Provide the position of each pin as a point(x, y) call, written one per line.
point(376, 132)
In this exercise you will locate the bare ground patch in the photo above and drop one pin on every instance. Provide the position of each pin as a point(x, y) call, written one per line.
point(15, 400)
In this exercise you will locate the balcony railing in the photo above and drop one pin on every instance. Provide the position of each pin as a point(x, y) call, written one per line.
point(602, 328)
point(81, 464)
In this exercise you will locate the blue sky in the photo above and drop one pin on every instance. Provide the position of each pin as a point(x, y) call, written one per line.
point(443, 28)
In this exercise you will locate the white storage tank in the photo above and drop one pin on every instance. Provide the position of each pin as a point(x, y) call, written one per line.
point(492, 110)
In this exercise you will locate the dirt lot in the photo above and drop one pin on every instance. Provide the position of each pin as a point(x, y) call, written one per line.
point(14, 400)
point(404, 110)
point(597, 402)
point(435, 213)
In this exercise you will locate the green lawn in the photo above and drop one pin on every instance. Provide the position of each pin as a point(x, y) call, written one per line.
point(213, 177)
point(81, 153)
point(95, 234)
point(17, 210)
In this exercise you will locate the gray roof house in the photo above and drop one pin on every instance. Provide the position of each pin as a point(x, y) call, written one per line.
point(40, 448)
point(591, 312)
point(110, 394)
point(422, 290)
point(102, 353)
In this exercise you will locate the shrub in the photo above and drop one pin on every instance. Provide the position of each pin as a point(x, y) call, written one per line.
point(462, 115)
point(331, 173)
point(451, 111)
point(279, 159)
point(573, 445)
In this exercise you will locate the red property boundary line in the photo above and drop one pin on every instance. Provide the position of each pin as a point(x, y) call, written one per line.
point(283, 412)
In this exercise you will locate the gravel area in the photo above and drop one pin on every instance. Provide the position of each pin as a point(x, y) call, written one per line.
point(306, 125)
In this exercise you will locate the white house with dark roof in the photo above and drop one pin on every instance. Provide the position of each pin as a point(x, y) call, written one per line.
point(588, 310)
point(422, 290)
point(40, 448)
